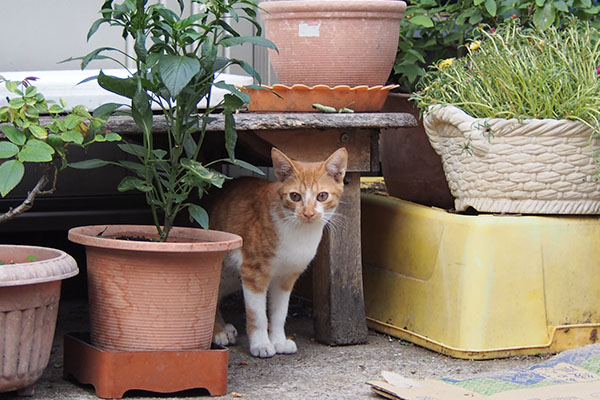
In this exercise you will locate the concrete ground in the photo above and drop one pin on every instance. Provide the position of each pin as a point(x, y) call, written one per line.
point(317, 371)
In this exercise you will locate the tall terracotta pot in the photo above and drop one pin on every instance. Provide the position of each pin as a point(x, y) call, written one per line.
point(29, 297)
point(334, 42)
point(152, 296)
point(411, 168)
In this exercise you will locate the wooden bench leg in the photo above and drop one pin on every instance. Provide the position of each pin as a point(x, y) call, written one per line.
point(338, 304)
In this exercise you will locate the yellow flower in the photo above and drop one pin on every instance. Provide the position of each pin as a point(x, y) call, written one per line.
point(446, 63)
point(475, 45)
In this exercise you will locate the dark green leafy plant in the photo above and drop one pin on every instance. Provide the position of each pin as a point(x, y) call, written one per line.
point(177, 63)
point(433, 30)
point(28, 141)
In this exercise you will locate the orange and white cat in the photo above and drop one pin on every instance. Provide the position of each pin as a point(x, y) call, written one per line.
point(281, 224)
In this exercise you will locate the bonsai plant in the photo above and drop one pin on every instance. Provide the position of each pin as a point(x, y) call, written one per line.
point(30, 276)
point(520, 111)
point(169, 300)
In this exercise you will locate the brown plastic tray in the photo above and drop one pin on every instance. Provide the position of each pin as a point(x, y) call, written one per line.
point(114, 373)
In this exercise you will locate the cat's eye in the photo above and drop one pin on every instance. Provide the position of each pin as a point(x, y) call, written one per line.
point(322, 196)
point(295, 197)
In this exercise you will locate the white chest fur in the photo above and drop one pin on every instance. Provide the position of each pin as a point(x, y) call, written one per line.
point(297, 245)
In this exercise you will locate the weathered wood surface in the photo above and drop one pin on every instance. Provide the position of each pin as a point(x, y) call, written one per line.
point(283, 121)
point(338, 305)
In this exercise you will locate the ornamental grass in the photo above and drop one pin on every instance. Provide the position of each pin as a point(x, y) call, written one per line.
point(520, 72)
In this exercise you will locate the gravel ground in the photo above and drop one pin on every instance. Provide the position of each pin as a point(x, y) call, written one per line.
point(317, 371)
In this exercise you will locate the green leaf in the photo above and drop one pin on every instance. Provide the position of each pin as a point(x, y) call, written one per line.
point(11, 173)
point(133, 183)
point(8, 149)
point(89, 164)
point(238, 40)
point(13, 86)
point(560, 5)
point(141, 111)
point(72, 136)
point(38, 131)
point(17, 102)
point(490, 6)
point(36, 151)
point(248, 166)
point(199, 215)
point(105, 110)
point(121, 86)
point(15, 135)
point(543, 17)
point(177, 71)
point(95, 27)
point(140, 45)
point(215, 178)
point(112, 137)
point(539, 3)
point(133, 149)
point(421, 20)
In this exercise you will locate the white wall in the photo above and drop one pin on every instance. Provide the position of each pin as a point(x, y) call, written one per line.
point(38, 34)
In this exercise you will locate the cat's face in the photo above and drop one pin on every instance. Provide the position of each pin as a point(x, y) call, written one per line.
point(310, 192)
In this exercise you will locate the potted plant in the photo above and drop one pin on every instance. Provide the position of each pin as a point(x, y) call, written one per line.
point(432, 31)
point(333, 42)
point(516, 119)
point(30, 276)
point(169, 293)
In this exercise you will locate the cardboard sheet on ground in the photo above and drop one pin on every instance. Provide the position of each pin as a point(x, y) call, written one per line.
point(570, 375)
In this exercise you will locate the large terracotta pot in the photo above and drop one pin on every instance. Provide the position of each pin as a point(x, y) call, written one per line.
point(29, 296)
point(411, 168)
point(152, 296)
point(334, 42)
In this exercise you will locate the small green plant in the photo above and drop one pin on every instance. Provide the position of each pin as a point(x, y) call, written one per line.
point(519, 72)
point(177, 63)
point(29, 141)
point(433, 30)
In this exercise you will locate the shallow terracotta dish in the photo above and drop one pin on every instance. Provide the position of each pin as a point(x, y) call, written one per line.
point(300, 98)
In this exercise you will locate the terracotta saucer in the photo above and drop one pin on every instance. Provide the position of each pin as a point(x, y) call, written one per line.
point(300, 98)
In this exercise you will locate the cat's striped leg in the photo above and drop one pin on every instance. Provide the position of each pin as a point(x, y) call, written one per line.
point(279, 298)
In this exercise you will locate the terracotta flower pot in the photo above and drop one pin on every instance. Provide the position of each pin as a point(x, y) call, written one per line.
point(152, 296)
point(29, 296)
point(335, 42)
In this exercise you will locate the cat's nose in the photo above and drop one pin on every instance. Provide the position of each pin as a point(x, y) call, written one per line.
point(308, 214)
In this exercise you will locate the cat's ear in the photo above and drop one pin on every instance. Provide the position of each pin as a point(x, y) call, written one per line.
point(336, 164)
point(282, 165)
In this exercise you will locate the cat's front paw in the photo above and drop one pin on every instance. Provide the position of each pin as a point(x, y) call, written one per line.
point(263, 350)
point(288, 346)
point(225, 336)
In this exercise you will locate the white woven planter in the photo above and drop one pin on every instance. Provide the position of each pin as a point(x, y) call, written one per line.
point(534, 166)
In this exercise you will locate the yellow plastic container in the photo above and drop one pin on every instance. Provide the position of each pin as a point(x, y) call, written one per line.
point(480, 287)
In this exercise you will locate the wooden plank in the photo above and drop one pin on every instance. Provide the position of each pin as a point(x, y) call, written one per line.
point(261, 122)
point(338, 305)
point(311, 145)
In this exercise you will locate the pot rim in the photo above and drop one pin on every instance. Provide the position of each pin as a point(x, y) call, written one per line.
point(59, 267)
point(182, 239)
point(268, 8)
